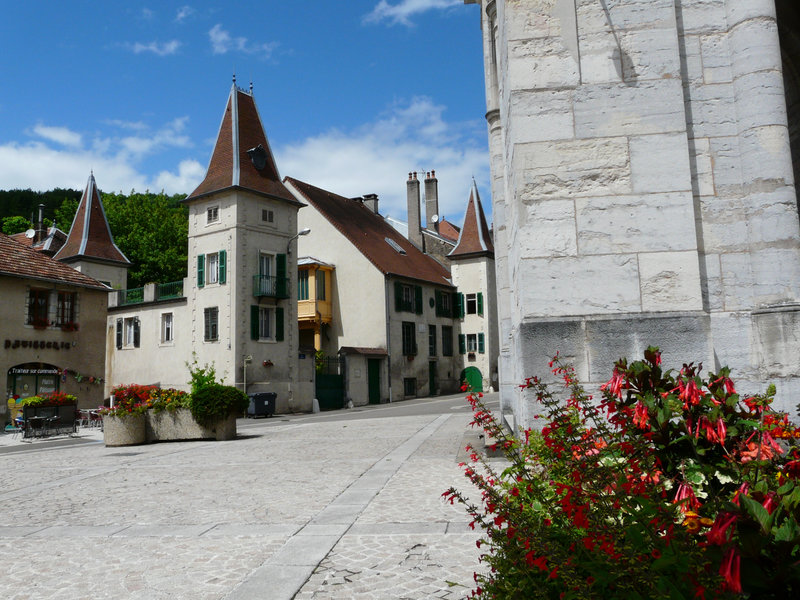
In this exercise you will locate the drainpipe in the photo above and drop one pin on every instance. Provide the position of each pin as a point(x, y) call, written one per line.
point(386, 297)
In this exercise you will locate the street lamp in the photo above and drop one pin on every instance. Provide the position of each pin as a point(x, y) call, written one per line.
point(304, 231)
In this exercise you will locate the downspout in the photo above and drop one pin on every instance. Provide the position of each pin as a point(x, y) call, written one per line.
point(388, 336)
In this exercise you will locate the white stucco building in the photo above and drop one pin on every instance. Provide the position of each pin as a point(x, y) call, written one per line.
point(237, 308)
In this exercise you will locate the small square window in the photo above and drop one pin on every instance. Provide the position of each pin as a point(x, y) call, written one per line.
point(267, 215)
point(212, 214)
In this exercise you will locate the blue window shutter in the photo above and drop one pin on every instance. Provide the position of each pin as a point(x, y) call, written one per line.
point(223, 265)
point(201, 270)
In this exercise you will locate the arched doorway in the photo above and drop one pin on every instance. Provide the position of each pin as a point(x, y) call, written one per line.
point(471, 376)
point(32, 379)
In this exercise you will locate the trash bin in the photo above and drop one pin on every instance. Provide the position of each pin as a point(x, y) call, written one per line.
point(262, 404)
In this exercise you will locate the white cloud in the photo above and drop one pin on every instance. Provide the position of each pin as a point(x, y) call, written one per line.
point(183, 12)
point(60, 135)
point(164, 49)
point(222, 42)
point(405, 9)
point(377, 157)
point(190, 174)
point(115, 159)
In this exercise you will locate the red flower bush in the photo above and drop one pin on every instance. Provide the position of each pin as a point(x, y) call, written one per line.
point(672, 486)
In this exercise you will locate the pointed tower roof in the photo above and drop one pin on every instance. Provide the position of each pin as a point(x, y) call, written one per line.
point(90, 237)
point(475, 237)
point(242, 157)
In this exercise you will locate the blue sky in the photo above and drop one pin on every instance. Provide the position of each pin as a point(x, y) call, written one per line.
point(354, 94)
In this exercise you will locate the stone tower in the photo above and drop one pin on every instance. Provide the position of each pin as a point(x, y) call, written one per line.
point(642, 186)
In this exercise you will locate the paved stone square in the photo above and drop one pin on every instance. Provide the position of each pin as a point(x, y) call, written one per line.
point(307, 509)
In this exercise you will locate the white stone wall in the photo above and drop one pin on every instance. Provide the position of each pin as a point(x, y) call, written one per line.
point(641, 169)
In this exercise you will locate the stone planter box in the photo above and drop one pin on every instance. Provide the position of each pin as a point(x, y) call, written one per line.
point(124, 431)
point(163, 426)
point(179, 424)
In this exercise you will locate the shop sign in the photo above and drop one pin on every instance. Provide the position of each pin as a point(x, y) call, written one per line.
point(37, 344)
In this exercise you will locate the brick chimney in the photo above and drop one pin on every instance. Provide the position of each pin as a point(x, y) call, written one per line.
point(431, 200)
point(371, 202)
point(412, 194)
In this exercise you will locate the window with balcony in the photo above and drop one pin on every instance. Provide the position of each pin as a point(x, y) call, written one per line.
point(302, 285)
point(320, 277)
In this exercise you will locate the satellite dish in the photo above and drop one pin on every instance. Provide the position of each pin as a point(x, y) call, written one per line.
point(435, 219)
point(30, 233)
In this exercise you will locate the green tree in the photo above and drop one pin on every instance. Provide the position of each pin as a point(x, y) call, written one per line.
point(15, 224)
point(65, 214)
point(152, 231)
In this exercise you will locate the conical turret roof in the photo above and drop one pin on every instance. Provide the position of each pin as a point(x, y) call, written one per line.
point(242, 157)
point(475, 237)
point(90, 236)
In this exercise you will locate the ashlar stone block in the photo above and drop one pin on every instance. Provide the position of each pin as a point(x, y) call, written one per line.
point(660, 163)
point(614, 110)
point(570, 168)
point(578, 285)
point(548, 229)
point(670, 281)
point(541, 115)
point(541, 63)
point(637, 223)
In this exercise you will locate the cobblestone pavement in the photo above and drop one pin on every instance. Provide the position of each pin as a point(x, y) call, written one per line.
point(308, 510)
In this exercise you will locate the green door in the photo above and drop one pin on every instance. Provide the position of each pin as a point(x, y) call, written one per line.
point(432, 385)
point(473, 378)
point(374, 380)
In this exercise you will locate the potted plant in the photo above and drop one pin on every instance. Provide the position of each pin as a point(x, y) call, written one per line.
point(216, 407)
point(124, 423)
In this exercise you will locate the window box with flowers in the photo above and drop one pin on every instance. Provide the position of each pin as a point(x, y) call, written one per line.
point(70, 327)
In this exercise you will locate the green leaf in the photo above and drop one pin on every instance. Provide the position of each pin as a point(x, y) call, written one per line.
point(788, 531)
point(758, 512)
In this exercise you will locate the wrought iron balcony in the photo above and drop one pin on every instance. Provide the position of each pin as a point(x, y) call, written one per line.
point(270, 287)
point(174, 289)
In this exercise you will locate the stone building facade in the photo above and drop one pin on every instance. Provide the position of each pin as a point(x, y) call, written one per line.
point(643, 187)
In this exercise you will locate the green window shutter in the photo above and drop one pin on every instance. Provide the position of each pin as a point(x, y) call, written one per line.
point(398, 296)
point(281, 288)
point(201, 270)
point(480, 303)
point(279, 324)
point(223, 265)
point(418, 299)
point(462, 343)
point(458, 313)
point(254, 324)
point(454, 305)
point(481, 344)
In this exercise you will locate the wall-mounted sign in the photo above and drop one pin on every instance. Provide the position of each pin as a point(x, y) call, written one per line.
point(37, 344)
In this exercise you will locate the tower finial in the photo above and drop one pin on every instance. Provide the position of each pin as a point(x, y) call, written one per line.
point(234, 78)
point(251, 87)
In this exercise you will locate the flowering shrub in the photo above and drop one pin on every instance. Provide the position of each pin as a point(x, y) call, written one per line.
point(51, 399)
point(129, 400)
point(672, 486)
point(168, 399)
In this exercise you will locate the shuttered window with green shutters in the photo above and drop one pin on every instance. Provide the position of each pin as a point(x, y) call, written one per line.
point(480, 303)
point(281, 289)
point(254, 322)
point(279, 324)
point(481, 344)
point(223, 265)
point(201, 270)
point(462, 343)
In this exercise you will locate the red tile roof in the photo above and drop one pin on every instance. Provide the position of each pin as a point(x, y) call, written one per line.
point(368, 232)
point(90, 236)
point(241, 134)
point(447, 230)
point(51, 243)
point(18, 260)
point(475, 237)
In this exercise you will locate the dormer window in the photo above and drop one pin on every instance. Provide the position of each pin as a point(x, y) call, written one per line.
point(212, 214)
